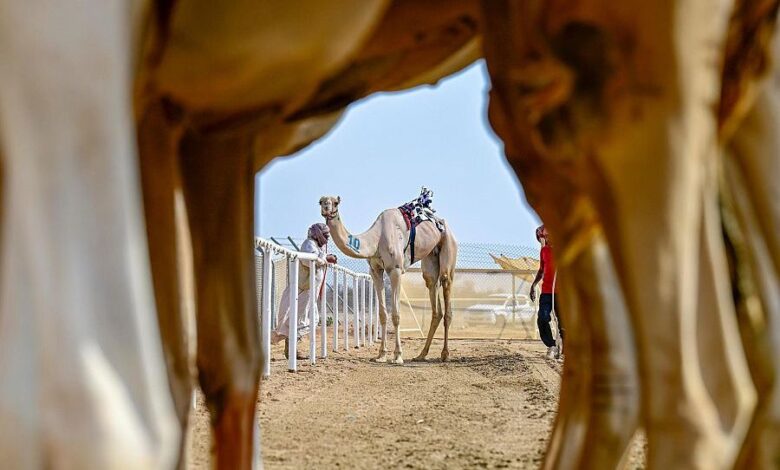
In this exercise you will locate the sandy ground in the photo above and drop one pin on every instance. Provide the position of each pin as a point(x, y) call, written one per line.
point(492, 406)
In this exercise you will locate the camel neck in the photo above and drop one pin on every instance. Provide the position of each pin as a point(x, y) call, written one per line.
point(355, 246)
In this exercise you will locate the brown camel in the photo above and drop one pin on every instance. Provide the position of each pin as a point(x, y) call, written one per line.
point(614, 115)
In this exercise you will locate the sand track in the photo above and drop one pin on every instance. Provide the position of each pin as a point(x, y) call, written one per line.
point(492, 406)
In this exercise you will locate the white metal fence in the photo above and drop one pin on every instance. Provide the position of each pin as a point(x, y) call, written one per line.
point(348, 300)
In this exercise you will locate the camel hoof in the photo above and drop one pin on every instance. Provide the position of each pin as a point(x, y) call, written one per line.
point(398, 360)
point(445, 356)
point(419, 359)
point(380, 359)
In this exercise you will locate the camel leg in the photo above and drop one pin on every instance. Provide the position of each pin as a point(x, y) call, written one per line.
point(598, 410)
point(158, 151)
point(753, 169)
point(717, 331)
point(565, 446)
point(395, 284)
point(447, 258)
point(614, 379)
point(653, 233)
point(218, 182)
point(430, 271)
point(640, 151)
point(82, 377)
point(599, 398)
point(377, 274)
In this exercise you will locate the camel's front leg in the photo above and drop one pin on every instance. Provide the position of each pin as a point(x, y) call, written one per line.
point(377, 274)
point(158, 141)
point(753, 169)
point(82, 378)
point(395, 284)
point(218, 183)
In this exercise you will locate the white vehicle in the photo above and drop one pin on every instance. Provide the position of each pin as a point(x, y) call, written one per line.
point(513, 309)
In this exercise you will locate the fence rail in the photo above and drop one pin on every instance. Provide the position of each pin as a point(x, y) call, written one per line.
point(487, 301)
point(364, 306)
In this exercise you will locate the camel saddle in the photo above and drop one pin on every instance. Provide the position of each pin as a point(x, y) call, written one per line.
point(416, 212)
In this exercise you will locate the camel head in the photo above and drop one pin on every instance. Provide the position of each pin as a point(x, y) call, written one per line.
point(329, 206)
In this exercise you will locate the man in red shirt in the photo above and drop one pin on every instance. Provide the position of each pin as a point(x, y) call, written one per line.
point(547, 301)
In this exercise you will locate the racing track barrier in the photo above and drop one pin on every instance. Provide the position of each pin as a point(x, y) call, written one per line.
point(273, 262)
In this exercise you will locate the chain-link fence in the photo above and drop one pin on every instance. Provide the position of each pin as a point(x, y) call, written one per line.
point(489, 298)
point(486, 303)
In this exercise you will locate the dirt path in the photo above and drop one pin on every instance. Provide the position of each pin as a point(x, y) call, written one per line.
point(491, 407)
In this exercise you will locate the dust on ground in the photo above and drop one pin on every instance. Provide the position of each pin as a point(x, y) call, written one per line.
point(491, 406)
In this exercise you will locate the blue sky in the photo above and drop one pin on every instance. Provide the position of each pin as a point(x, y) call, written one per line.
point(389, 145)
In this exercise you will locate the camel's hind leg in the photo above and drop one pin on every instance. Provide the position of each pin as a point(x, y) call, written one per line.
point(219, 182)
point(639, 151)
point(447, 259)
point(613, 376)
point(725, 373)
point(753, 169)
point(395, 282)
point(377, 274)
point(430, 270)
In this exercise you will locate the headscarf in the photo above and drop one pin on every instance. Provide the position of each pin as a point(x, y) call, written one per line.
point(541, 233)
point(319, 233)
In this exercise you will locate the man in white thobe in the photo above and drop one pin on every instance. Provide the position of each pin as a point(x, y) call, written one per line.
point(316, 243)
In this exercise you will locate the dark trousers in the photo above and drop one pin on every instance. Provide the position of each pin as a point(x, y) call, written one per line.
point(544, 317)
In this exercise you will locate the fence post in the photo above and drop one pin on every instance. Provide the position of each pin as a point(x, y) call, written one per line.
point(312, 311)
point(335, 309)
point(265, 313)
point(366, 312)
point(362, 309)
point(371, 335)
point(364, 299)
point(324, 314)
point(346, 312)
point(292, 335)
point(355, 309)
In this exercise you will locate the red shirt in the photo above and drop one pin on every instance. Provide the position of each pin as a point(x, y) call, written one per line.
point(548, 259)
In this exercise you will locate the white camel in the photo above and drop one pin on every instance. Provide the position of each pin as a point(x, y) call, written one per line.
point(386, 247)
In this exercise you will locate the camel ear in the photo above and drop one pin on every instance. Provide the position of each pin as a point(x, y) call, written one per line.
point(322, 199)
point(338, 199)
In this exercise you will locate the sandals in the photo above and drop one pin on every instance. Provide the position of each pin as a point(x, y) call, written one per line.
point(287, 353)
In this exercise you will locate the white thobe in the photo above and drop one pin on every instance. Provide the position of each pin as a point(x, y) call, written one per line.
point(305, 317)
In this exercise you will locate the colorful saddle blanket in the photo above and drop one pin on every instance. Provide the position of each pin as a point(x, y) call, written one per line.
point(417, 211)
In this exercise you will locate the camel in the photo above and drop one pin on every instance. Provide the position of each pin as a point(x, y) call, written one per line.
point(633, 145)
point(615, 116)
point(386, 247)
point(178, 140)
